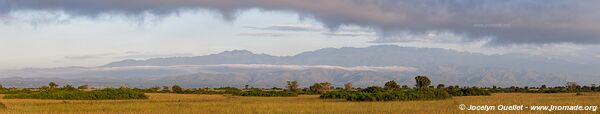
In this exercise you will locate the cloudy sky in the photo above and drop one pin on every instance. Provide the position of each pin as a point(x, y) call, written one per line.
point(56, 33)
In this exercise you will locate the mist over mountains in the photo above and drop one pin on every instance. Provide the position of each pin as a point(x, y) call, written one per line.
point(362, 66)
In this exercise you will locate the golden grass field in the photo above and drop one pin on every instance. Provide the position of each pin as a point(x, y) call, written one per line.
point(190, 103)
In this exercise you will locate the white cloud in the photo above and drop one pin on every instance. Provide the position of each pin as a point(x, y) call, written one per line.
point(261, 34)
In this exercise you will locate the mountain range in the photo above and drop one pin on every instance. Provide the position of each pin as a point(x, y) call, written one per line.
point(361, 66)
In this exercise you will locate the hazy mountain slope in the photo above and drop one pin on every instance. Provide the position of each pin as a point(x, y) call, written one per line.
point(276, 75)
point(361, 66)
point(385, 55)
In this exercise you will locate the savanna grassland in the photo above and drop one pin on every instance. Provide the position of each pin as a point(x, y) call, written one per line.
point(196, 103)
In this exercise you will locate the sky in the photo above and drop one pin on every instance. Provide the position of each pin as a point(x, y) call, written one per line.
point(60, 33)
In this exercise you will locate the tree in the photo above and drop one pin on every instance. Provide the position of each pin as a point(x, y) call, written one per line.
point(391, 85)
point(154, 89)
point(441, 86)
point(373, 89)
point(571, 85)
point(321, 87)
point(246, 87)
point(292, 85)
point(422, 81)
point(348, 86)
point(1, 87)
point(166, 89)
point(405, 87)
point(68, 88)
point(543, 87)
point(316, 87)
point(177, 89)
point(83, 87)
point(326, 86)
point(52, 85)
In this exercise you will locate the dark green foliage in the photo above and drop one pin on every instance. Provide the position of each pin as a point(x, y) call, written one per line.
point(68, 88)
point(337, 94)
point(473, 91)
point(102, 94)
point(391, 85)
point(373, 89)
point(177, 89)
point(307, 91)
point(14, 91)
point(83, 87)
point(267, 93)
point(422, 81)
point(441, 86)
point(406, 95)
point(52, 85)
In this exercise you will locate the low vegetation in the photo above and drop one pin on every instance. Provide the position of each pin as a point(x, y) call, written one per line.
point(473, 91)
point(14, 91)
point(410, 95)
point(392, 92)
point(169, 103)
point(101, 94)
point(262, 93)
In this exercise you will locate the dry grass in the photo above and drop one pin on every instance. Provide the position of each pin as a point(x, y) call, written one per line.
point(187, 103)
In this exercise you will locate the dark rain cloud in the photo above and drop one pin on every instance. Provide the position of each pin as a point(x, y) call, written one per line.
point(504, 21)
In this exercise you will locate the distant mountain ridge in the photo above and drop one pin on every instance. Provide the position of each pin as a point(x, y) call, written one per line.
point(381, 55)
point(361, 66)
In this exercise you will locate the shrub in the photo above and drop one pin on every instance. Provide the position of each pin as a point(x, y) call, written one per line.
point(337, 94)
point(406, 95)
point(391, 85)
point(267, 93)
point(14, 91)
point(102, 94)
point(422, 81)
point(225, 90)
point(409, 95)
point(83, 87)
point(468, 92)
point(307, 91)
point(177, 89)
point(373, 89)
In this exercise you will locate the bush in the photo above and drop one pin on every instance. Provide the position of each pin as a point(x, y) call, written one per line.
point(468, 92)
point(337, 94)
point(267, 93)
point(406, 95)
point(410, 95)
point(14, 91)
point(225, 90)
point(373, 89)
point(103, 94)
point(308, 92)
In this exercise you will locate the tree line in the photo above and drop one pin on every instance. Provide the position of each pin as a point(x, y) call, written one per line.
point(389, 91)
point(68, 92)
